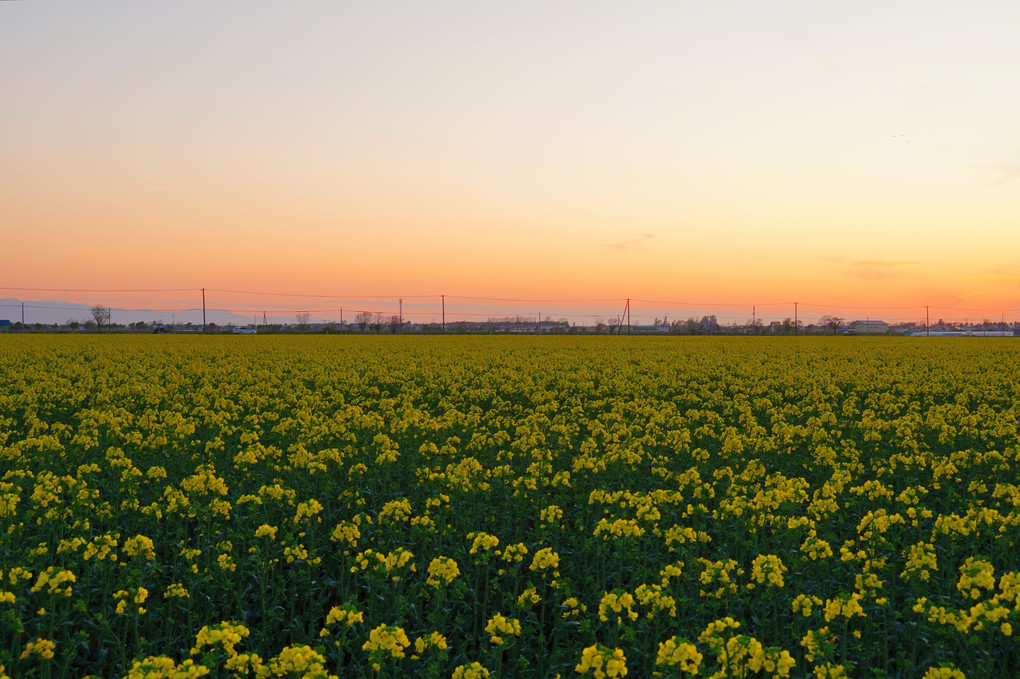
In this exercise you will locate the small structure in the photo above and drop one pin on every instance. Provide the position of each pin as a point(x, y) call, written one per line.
point(869, 327)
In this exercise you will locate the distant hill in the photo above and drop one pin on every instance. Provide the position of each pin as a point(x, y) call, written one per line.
point(49, 312)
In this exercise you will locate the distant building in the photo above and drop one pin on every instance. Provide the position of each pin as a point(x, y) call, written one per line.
point(869, 327)
point(5, 324)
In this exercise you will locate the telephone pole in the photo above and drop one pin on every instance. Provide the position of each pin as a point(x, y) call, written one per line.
point(401, 311)
point(444, 313)
point(203, 309)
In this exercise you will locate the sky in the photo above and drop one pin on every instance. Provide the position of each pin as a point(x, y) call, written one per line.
point(851, 157)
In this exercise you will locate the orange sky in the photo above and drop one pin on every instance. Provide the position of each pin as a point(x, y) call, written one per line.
point(853, 156)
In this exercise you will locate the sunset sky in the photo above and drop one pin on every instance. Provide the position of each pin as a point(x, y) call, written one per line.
point(722, 153)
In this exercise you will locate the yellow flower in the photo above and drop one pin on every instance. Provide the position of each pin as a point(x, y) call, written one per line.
point(297, 660)
point(473, 671)
point(442, 571)
point(767, 567)
point(845, 606)
point(545, 559)
point(498, 627)
point(619, 602)
point(40, 647)
point(346, 615)
point(434, 640)
point(225, 634)
point(140, 547)
point(680, 652)
point(948, 671)
point(602, 662)
point(265, 530)
point(975, 575)
point(158, 667)
point(528, 597)
point(176, 590)
point(386, 640)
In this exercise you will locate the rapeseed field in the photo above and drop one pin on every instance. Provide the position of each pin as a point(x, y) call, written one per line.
point(474, 507)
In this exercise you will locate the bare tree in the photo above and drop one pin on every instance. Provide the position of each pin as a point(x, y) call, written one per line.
point(377, 323)
point(709, 325)
point(831, 323)
point(363, 319)
point(302, 320)
point(394, 323)
point(101, 315)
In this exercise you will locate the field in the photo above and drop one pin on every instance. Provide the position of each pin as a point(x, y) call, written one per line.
point(508, 506)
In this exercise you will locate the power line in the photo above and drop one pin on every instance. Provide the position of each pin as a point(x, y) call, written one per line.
point(337, 297)
point(711, 304)
point(862, 308)
point(101, 289)
point(536, 301)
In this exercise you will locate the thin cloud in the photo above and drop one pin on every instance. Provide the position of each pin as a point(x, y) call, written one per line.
point(628, 244)
point(868, 269)
point(1006, 171)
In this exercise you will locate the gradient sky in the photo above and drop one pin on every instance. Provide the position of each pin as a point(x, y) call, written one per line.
point(839, 154)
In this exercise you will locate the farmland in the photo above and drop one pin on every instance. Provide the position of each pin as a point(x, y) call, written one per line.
point(508, 506)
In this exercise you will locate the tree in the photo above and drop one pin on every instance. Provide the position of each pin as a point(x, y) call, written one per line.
point(101, 315)
point(377, 323)
point(73, 324)
point(709, 325)
point(302, 320)
point(830, 323)
point(363, 319)
point(394, 323)
point(790, 326)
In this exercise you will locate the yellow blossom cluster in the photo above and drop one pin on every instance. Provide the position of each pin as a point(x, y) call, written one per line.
point(602, 662)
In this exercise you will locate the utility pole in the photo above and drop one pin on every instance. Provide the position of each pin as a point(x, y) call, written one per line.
point(444, 313)
point(624, 315)
point(203, 309)
point(341, 319)
point(539, 326)
point(754, 319)
point(263, 319)
point(401, 310)
point(927, 330)
point(22, 317)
